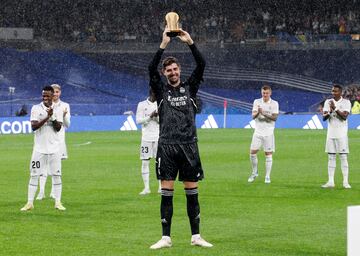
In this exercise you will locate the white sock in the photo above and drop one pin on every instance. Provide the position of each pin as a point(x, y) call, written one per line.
point(344, 168)
point(33, 185)
point(52, 189)
point(42, 182)
point(268, 165)
point(56, 180)
point(195, 236)
point(331, 167)
point(145, 173)
point(254, 163)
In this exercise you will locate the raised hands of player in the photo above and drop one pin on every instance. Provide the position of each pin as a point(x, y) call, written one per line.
point(332, 105)
point(65, 112)
point(165, 38)
point(185, 37)
point(260, 110)
point(50, 112)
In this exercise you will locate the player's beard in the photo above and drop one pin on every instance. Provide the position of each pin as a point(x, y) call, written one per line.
point(174, 79)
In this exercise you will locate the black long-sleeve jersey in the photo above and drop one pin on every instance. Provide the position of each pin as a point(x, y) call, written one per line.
point(176, 105)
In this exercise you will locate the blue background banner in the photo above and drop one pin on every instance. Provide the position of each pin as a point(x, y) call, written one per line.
point(16, 125)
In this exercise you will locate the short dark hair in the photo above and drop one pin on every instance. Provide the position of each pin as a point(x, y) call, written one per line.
point(266, 87)
point(170, 60)
point(48, 88)
point(338, 86)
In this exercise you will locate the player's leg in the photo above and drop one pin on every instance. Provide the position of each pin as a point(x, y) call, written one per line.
point(256, 144)
point(345, 170)
point(42, 183)
point(36, 168)
point(269, 148)
point(145, 174)
point(343, 150)
point(55, 169)
point(166, 171)
point(64, 156)
point(145, 154)
point(331, 150)
point(190, 173)
point(154, 149)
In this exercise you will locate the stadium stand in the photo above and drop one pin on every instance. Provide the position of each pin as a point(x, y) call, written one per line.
point(96, 84)
point(100, 58)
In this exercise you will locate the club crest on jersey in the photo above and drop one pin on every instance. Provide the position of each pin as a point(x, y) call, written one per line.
point(182, 90)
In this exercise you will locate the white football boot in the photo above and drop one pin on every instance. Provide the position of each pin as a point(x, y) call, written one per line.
point(145, 192)
point(199, 241)
point(252, 177)
point(328, 185)
point(27, 207)
point(164, 242)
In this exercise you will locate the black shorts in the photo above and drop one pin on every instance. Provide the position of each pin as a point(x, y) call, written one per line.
point(184, 159)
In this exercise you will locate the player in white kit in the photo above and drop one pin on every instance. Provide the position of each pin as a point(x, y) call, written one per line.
point(147, 116)
point(65, 109)
point(336, 111)
point(46, 122)
point(265, 112)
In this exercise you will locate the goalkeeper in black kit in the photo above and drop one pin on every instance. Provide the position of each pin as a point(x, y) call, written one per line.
point(177, 150)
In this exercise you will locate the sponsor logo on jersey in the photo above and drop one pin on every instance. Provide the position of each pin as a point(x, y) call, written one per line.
point(210, 123)
point(177, 101)
point(314, 123)
point(129, 125)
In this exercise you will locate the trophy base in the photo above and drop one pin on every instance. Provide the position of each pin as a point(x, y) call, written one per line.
point(173, 33)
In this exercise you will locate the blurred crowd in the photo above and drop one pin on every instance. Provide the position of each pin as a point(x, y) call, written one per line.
point(226, 20)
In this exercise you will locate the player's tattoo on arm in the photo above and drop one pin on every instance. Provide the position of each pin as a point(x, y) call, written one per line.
point(270, 118)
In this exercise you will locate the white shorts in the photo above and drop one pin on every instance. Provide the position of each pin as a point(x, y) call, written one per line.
point(63, 151)
point(340, 146)
point(45, 164)
point(148, 149)
point(265, 142)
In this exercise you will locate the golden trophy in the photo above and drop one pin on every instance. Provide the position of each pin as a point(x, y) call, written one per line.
point(172, 21)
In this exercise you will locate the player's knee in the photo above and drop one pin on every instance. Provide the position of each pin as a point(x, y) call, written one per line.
point(343, 157)
point(145, 163)
point(56, 180)
point(332, 157)
point(167, 184)
point(344, 160)
point(34, 180)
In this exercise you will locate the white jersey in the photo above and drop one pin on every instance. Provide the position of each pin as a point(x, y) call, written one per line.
point(337, 128)
point(63, 106)
point(46, 139)
point(264, 127)
point(150, 126)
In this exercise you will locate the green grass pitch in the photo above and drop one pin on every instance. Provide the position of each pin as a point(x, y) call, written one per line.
point(106, 216)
